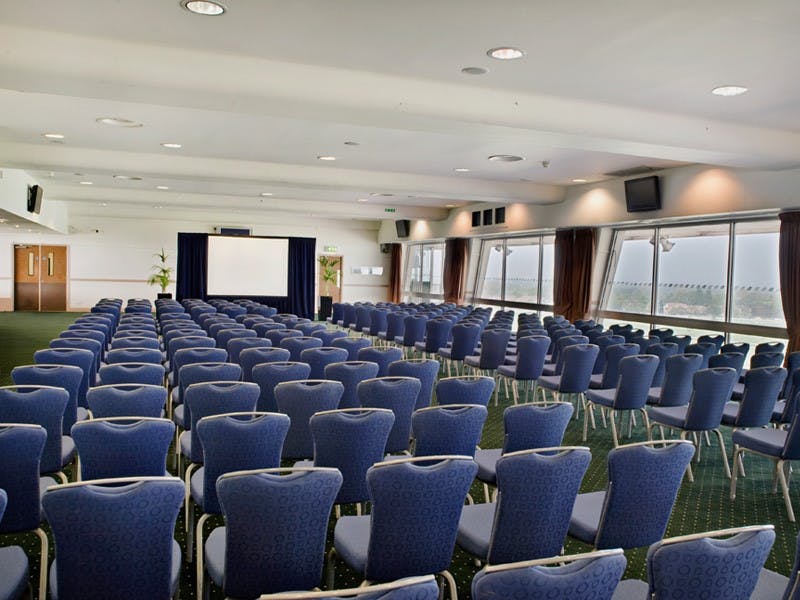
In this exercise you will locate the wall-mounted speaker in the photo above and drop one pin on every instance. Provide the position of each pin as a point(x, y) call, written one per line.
point(403, 227)
point(386, 248)
point(35, 199)
point(240, 231)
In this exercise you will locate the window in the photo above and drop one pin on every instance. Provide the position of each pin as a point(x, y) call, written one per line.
point(631, 287)
point(424, 267)
point(756, 293)
point(515, 271)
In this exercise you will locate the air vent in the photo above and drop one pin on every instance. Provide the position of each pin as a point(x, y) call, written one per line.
point(640, 170)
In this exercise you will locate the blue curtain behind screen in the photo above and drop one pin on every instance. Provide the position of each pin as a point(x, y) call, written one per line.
point(192, 263)
point(302, 253)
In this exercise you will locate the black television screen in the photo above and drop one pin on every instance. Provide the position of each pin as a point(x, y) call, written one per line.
point(35, 199)
point(643, 194)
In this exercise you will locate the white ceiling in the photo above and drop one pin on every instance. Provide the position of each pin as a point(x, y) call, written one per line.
point(257, 94)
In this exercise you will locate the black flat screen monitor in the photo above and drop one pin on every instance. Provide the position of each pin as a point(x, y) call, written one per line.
point(643, 194)
point(35, 199)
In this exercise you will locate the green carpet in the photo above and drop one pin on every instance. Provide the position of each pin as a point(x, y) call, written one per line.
point(701, 506)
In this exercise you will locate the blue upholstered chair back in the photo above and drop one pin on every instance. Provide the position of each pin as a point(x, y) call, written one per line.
point(538, 489)
point(424, 369)
point(136, 355)
point(704, 349)
point(349, 316)
point(414, 329)
point(181, 340)
point(395, 325)
point(95, 347)
point(590, 576)
point(267, 547)
point(276, 336)
point(328, 335)
point(465, 339)
point(321, 357)
point(352, 345)
point(770, 347)
point(578, 362)
point(531, 352)
point(643, 482)
point(37, 405)
point(467, 389)
point(262, 329)
point(493, 347)
point(216, 398)
point(663, 351)
point(603, 342)
point(767, 359)
point(409, 588)
point(250, 357)
point(135, 342)
point(791, 447)
point(661, 334)
point(238, 344)
point(135, 562)
point(69, 356)
point(351, 440)
point(437, 333)
point(296, 345)
point(238, 442)
point(717, 340)
point(708, 565)
point(225, 337)
point(383, 356)
point(350, 374)
point(414, 533)
point(711, 389)
point(614, 354)
point(397, 394)
point(309, 328)
point(269, 375)
point(201, 373)
point(635, 378)
point(377, 321)
point(682, 340)
point(123, 447)
point(214, 329)
point(741, 347)
point(127, 400)
point(337, 312)
point(363, 317)
point(448, 429)
point(734, 360)
point(21, 447)
point(761, 389)
point(530, 426)
point(64, 376)
point(195, 354)
point(679, 373)
point(141, 373)
point(300, 400)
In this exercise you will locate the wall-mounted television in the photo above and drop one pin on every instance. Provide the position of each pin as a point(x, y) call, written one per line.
point(35, 199)
point(643, 194)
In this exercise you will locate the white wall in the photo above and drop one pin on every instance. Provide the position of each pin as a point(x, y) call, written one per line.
point(14, 202)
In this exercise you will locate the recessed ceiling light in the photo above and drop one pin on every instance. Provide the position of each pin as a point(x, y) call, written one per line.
point(506, 158)
point(102, 203)
point(29, 230)
point(352, 143)
point(450, 205)
point(171, 145)
point(157, 206)
point(266, 194)
point(474, 71)
point(117, 122)
point(17, 225)
point(3, 220)
point(729, 90)
point(505, 53)
point(53, 136)
point(326, 157)
point(162, 187)
point(128, 177)
point(203, 7)
point(578, 181)
point(78, 174)
point(462, 170)
point(385, 195)
point(85, 182)
point(363, 199)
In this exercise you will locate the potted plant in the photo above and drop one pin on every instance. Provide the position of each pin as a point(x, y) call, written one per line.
point(330, 272)
point(161, 274)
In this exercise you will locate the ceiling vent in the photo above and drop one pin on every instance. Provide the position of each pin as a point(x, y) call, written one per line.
point(640, 170)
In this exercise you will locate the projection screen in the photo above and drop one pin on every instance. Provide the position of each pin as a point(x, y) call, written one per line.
point(247, 266)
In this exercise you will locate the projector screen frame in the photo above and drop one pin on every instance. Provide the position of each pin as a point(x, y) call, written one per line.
point(244, 294)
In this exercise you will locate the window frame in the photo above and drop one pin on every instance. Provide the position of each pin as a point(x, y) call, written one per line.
point(410, 295)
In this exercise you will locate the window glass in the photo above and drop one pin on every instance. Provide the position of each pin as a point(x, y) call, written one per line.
point(522, 269)
point(548, 254)
point(424, 267)
point(490, 273)
point(630, 284)
point(756, 294)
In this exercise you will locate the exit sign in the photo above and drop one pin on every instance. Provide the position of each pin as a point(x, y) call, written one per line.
point(331, 249)
point(390, 210)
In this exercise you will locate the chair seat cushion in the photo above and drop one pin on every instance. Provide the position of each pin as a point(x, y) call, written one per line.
point(770, 585)
point(475, 528)
point(473, 361)
point(730, 412)
point(738, 391)
point(550, 382)
point(445, 352)
point(777, 412)
point(214, 552)
point(511, 359)
point(419, 346)
point(766, 441)
point(196, 486)
point(507, 370)
point(398, 340)
point(13, 572)
point(672, 416)
point(67, 450)
point(303, 464)
point(602, 397)
point(351, 540)
point(487, 464)
point(185, 443)
point(549, 370)
point(176, 396)
point(595, 381)
point(585, 519)
point(178, 416)
point(83, 414)
point(654, 395)
point(631, 589)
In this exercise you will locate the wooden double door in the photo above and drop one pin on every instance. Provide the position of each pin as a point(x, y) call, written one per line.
point(40, 277)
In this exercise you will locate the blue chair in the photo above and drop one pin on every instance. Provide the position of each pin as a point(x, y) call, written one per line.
point(395, 327)
point(220, 325)
point(127, 400)
point(682, 340)
point(413, 332)
point(92, 346)
point(133, 355)
point(437, 334)
point(705, 565)
point(761, 389)
point(64, 376)
point(740, 347)
point(424, 369)
point(464, 389)
point(493, 354)
point(231, 442)
point(704, 349)
point(556, 364)
point(449, 429)
point(269, 375)
point(251, 357)
point(141, 373)
point(465, 340)
point(310, 328)
point(382, 356)
point(296, 345)
point(263, 547)
point(575, 376)
point(531, 352)
point(352, 345)
point(630, 394)
point(134, 342)
point(609, 378)
point(397, 394)
point(377, 323)
point(189, 356)
point(350, 440)
point(76, 357)
point(679, 372)
point(406, 534)
point(262, 329)
point(195, 373)
point(536, 490)
point(717, 340)
point(14, 564)
point(21, 447)
point(603, 342)
point(300, 400)
point(663, 351)
point(319, 358)
point(363, 318)
point(238, 344)
point(328, 335)
point(276, 336)
point(774, 585)
point(141, 559)
point(350, 374)
point(526, 426)
point(633, 511)
point(589, 576)
point(734, 360)
point(122, 447)
point(711, 390)
point(409, 588)
point(662, 334)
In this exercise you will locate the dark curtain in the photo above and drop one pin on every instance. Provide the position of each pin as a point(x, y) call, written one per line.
point(395, 274)
point(788, 261)
point(302, 259)
point(574, 257)
point(192, 263)
point(456, 253)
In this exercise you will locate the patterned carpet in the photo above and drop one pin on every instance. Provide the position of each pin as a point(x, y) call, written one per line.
point(701, 506)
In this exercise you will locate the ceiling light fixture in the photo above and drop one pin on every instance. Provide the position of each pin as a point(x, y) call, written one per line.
point(505, 53)
point(462, 170)
point(506, 158)
point(128, 177)
point(729, 90)
point(3, 220)
point(578, 181)
point(117, 122)
point(53, 136)
point(474, 71)
point(265, 194)
point(85, 182)
point(450, 205)
point(203, 7)
point(384, 194)
point(326, 158)
point(363, 199)
point(102, 203)
point(157, 206)
point(162, 187)
point(171, 145)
